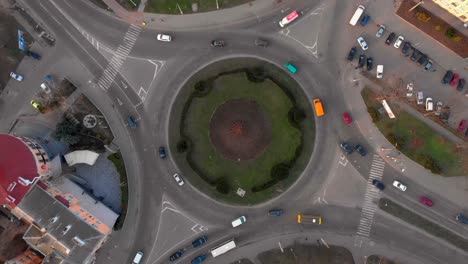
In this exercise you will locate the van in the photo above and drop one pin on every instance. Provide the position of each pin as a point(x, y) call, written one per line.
point(420, 98)
point(357, 15)
point(138, 257)
point(238, 221)
point(318, 107)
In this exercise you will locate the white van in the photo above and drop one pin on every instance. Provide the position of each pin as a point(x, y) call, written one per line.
point(420, 98)
point(238, 221)
point(357, 15)
point(138, 257)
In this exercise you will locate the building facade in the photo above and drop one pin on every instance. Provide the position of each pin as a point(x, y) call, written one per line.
point(458, 8)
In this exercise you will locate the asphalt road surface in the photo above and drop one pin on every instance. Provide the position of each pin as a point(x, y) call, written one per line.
point(164, 217)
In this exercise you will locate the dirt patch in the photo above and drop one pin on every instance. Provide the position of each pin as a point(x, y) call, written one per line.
point(240, 130)
point(307, 254)
point(434, 26)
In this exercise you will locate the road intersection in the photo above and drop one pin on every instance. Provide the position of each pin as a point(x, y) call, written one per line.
point(125, 71)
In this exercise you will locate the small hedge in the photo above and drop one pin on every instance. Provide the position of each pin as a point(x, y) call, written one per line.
point(117, 160)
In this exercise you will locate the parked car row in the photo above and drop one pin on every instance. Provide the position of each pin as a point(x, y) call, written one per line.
point(347, 148)
point(454, 80)
point(196, 243)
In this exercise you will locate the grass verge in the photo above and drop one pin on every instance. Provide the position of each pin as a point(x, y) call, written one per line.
point(422, 223)
point(117, 160)
point(374, 259)
point(416, 139)
point(172, 6)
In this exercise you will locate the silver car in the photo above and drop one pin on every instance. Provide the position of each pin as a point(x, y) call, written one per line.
point(178, 179)
point(380, 31)
point(46, 88)
point(362, 43)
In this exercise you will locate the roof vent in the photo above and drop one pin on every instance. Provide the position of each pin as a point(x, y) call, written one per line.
point(78, 241)
point(65, 230)
point(23, 181)
point(53, 219)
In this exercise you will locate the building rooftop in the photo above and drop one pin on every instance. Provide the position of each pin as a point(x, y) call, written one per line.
point(18, 167)
point(56, 230)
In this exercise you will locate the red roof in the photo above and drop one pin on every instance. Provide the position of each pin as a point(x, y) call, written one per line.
point(16, 160)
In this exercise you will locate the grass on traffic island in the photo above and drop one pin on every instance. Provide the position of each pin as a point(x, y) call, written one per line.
point(416, 139)
point(302, 253)
point(172, 6)
point(205, 168)
point(430, 227)
point(434, 26)
point(117, 160)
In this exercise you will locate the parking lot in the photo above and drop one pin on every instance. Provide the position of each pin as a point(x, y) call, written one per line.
point(399, 70)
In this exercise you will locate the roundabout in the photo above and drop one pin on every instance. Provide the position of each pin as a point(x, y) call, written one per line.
point(241, 130)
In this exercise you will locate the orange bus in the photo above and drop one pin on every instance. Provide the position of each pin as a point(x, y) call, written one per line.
point(318, 107)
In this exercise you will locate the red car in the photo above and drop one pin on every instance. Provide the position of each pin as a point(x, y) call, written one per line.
point(461, 126)
point(346, 118)
point(454, 80)
point(425, 201)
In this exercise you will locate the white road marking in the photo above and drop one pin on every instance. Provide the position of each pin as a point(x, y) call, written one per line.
point(368, 207)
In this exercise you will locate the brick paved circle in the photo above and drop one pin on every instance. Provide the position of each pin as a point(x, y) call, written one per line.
point(240, 130)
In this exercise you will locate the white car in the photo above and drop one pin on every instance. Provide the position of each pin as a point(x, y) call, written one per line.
point(379, 71)
point(164, 37)
point(45, 88)
point(238, 221)
point(429, 104)
point(178, 179)
point(137, 258)
point(362, 43)
point(409, 90)
point(398, 42)
point(399, 185)
point(16, 76)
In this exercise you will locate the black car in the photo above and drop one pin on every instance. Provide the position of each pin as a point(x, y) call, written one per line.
point(461, 85)
point(370, 62)
point(261, 43)
point(362, 60)
point(33, 55)
point(415, 55)
point(406, 47)
point(217, 43)
point(176, 255)
point(275, 212)
point(378, 184)
point(390, 38)
point(447, 77)
point(360, 149)
point(200, 241)
point(346, 147)
point(162, 152)
point(422, 60)
point(351, 54)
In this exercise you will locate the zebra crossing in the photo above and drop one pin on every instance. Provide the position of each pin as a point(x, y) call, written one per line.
point(368, 207)
point(119, 57)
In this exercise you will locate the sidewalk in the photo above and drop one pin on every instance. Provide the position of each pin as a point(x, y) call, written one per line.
point(454, 189)
point(219, 18)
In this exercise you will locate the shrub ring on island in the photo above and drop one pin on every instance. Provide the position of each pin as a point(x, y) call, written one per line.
point(241, 132)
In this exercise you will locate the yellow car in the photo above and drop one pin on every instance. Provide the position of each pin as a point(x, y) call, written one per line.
point(309, 219)
point(35, 104)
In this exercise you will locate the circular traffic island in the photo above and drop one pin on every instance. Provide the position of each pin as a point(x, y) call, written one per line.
point(241, 131)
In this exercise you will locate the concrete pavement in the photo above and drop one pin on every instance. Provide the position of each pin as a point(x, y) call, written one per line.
point(221, 18)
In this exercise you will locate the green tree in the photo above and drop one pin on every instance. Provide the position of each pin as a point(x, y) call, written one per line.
point(67, 132)
point(450, 33)
point(222, 186)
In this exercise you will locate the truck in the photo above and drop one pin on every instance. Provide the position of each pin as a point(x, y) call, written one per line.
point(309, 219)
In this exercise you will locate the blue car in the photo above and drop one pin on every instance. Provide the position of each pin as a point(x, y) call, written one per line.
point(360, 149)
point(200, 241)
point(276, 212)
point(176, 255)
point(378, 184)
point(131, 122)
point(162, 152)
point(346, 147)
point(364, 20)
point(198, 259)
point(462, 219)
